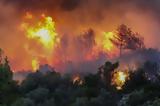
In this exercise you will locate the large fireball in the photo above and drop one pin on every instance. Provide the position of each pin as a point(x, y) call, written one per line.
point(42, 33)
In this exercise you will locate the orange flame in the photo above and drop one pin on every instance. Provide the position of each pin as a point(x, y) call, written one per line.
point(119, 79)
point(104, 43)
point(42, 36)
point(107, 44)
point(35, 64)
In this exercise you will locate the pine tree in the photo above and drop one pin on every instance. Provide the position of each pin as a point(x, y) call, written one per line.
point(125, 38)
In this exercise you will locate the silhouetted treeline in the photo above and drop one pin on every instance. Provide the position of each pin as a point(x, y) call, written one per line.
point(53, 89)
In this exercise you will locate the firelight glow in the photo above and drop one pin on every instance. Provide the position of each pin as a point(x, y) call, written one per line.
point(44, 32)
point(119, 79)
point(41, 31)
point(35, 64)
point(108, 45)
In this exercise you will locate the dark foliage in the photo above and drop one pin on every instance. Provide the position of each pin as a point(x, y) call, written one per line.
point(52, 89)
point(8, 87)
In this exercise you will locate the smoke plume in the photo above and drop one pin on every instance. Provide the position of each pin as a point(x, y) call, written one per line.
point(79, 23)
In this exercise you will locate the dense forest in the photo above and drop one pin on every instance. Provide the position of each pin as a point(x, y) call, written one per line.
point(54, 89)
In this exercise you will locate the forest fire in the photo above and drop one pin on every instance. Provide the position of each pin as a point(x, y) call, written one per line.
point(79, 52)
point(44, 43)
point(119, 79)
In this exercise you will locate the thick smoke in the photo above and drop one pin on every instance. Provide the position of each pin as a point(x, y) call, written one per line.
point(11, 38)
point(49, 5)
point(149, 59)
point(139, 57)
point(76, 53)
point(72, 17)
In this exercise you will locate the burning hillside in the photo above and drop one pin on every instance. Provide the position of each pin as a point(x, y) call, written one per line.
point(44, 43)
point(70, 34)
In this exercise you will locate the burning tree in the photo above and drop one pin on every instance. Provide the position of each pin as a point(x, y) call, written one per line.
point(112, 76)
point(127, 39)
point(119, 78)
point(106, 70)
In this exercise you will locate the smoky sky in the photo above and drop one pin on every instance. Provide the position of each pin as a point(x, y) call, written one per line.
point(73, 4)
point(69, 5)
point(94, 8)
point(72, 17)
point(66, 5)
point(88, 11)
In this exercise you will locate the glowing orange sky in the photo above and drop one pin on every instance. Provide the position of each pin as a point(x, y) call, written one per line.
point(69, 26)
